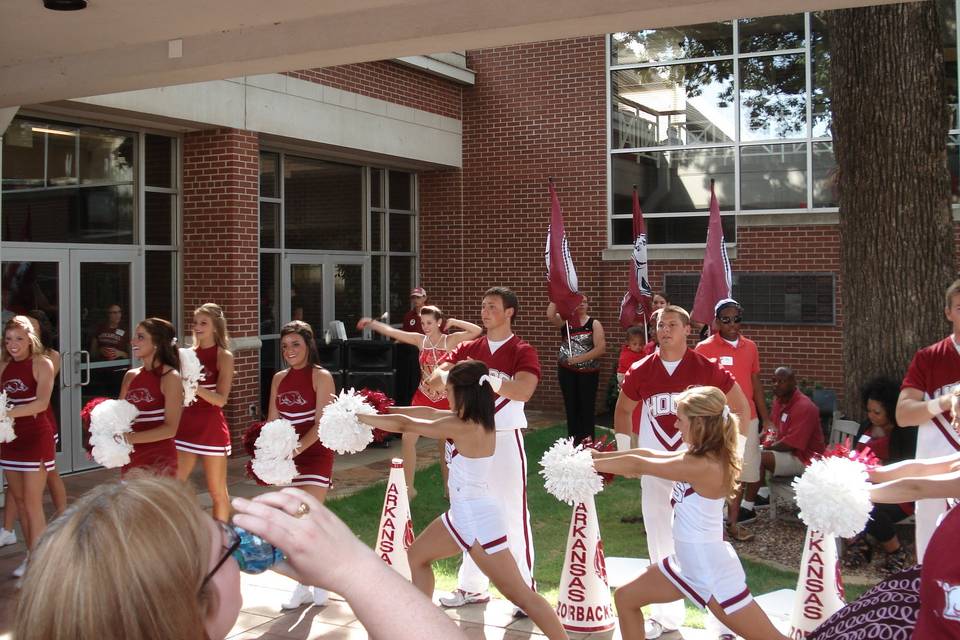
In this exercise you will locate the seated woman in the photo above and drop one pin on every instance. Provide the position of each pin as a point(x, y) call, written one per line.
point(704, 568)
point(890, 443)
point(474, 523)
point(140, 560)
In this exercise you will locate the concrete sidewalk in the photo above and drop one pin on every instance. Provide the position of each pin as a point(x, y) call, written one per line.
point(261, 616)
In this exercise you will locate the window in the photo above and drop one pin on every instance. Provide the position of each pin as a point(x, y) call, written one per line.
point(769, 298)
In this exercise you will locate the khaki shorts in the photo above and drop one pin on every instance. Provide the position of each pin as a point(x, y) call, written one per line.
point(750, 469)
point(786, 464)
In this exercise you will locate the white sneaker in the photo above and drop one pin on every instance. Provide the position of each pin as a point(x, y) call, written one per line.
point(7, 537)
point(22, 569)
point(300, 596)
point(460, 598)
point(653, 629)
point(320, 596)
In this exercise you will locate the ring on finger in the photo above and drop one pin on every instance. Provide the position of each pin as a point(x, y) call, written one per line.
point(302, 510)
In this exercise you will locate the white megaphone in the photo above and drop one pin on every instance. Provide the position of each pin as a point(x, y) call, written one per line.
point(583, 604)
point(396, 528)
point(820, 586)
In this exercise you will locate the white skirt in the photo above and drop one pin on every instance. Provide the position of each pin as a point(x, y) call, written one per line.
point(702, 571)
point(476, 520)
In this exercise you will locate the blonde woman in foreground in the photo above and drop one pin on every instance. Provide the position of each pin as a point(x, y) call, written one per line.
point(141, 561)
point(704, 568)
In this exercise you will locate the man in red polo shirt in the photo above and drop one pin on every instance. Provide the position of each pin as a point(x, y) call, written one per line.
point(411, 319)
point(739, 355)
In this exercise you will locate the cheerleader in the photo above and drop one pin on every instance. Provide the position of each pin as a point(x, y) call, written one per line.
point(433, 344)
point(203, 429)
point(156, 390)
point(703, 568)
point(474, 524)
point(27, 378)
point(299, 394)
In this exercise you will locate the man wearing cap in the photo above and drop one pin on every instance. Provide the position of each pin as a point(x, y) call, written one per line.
point(411, 319)
point(739, 355)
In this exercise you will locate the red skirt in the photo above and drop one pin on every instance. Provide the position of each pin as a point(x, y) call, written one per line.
point(314, 467)
point(159, 458)
point(32, 447)
point(421, 400)
point(203, 431)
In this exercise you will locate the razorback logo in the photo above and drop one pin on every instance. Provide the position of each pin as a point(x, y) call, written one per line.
point(599, 563)
point(408, 534)
point(951, 596)
point(140, 396)
point(291, 399)
point(15, 385)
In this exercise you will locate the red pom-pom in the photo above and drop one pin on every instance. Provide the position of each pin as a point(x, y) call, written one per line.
point(864, 455)
point(85, 421)
point(381, 402)
point(601, 445)
point(250, 437)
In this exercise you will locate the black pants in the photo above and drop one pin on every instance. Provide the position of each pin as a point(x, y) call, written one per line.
point(882, 519)
point(579, 400)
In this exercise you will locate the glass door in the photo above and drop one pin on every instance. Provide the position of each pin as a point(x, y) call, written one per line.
point(320, 289)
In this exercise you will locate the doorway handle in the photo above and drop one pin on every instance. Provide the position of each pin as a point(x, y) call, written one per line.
point(84, 381)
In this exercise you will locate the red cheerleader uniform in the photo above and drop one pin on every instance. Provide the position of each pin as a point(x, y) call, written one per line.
point(145, 394)
point(203, 430)
point(33, 445)
point(297, 402)
point(429, 357)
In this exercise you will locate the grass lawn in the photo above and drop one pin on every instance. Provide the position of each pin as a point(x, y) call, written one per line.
point(550, 520)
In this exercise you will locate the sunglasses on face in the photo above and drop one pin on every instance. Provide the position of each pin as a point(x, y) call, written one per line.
point(729, 320)
point(232, 538)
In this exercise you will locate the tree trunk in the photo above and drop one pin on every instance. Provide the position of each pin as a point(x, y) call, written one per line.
point(890, 123)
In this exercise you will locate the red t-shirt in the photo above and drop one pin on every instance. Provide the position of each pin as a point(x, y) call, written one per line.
point(505, 361)
point(649, 383)
point(628, 357)
point(935, 370)
point(939, 617)
point(798, 425)
point(742, 360)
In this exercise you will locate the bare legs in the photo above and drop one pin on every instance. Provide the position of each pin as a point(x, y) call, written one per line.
point(26, 489)
point(435, 543)
point(215, 471)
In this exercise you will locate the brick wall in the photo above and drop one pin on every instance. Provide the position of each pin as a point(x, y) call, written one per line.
point(392, 82)
point(220, 237)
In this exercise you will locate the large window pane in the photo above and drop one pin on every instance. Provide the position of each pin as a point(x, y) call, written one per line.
point(376, 188)
point(159, 161)
point(771, 33)
point(773, 97)
point(89, 214)
point(820, 75)
point(401, 232)
point(348, 296)
point(269, 365)
point(24, 157)
point(105, 156)
point(376, 231)
point(323, 205)
point(773, 176)
point(269, 293)
point(825, 176)
point(674, 43)
point(672, 105)
point(401, 281)
point(306, 296)
point(269, 175)
point(377, 306)
point(401, 196)
point(674, 230)
point(159, 276)
point(673, 181)
point(953, 165)
point(160, 211)
point(61, 156)
point(270, 225)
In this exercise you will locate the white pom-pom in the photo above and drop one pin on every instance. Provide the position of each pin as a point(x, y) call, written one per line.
point(109, 420)
point(7, 433)
point(273, 452)
point(834, 496)
point(568, 472)
point(339, 428)
point(191, 373)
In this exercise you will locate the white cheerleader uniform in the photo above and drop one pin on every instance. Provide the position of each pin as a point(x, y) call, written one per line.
point(703, 566)
point(474, 514)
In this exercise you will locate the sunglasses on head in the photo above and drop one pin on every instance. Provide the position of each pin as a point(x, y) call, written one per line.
point(729, 320)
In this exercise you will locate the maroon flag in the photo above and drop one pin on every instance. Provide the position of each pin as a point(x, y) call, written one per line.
point(561, 276)
point(638, 299)
point(715, 279)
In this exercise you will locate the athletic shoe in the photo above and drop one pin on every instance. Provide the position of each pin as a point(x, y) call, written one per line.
point(320, 596)
point(300, 596)
point(519, 613)
point(460, 598)
point(761, 503)
point(653, 629)
point(746, 515)
point(20, 570)
point(7, 537)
